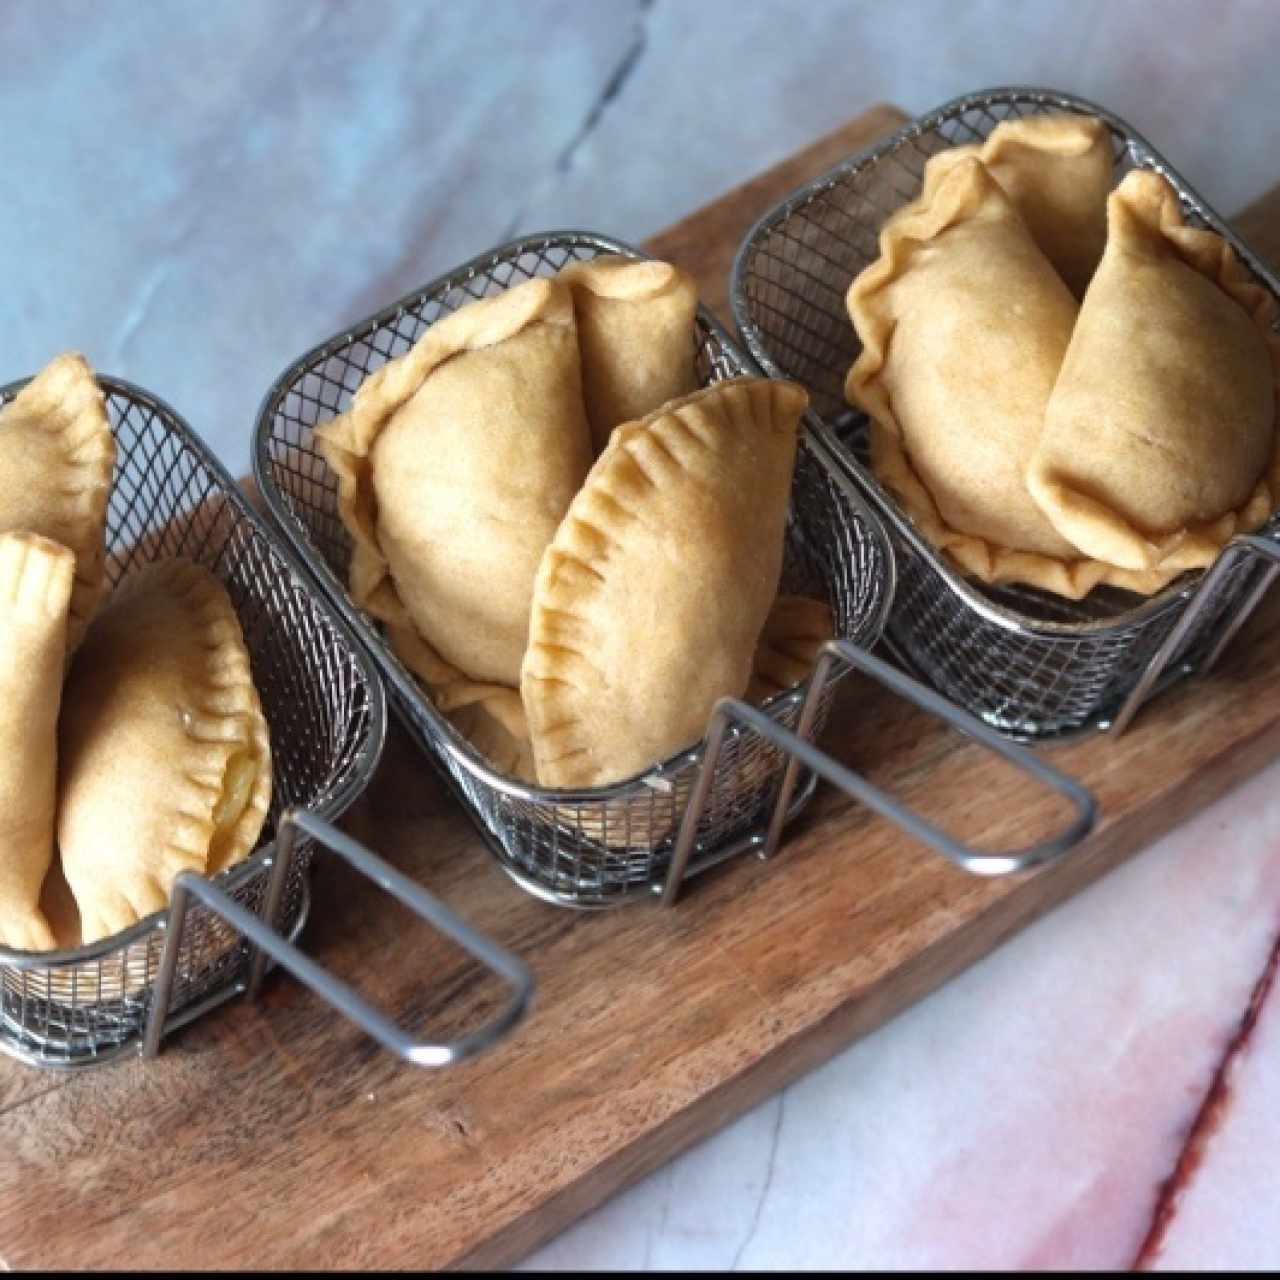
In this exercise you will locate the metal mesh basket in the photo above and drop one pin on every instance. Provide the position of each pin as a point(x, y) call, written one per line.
point(1028, 662)
point(599, 846)
point(325, 709)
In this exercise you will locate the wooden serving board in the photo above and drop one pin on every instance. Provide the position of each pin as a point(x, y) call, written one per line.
point(278, 1136)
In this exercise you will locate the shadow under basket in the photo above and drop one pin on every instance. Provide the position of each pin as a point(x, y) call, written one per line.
point(644, 836)
point(1032, 664)
point(326, 711)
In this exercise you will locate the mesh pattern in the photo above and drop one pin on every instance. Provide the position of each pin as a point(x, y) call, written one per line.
point(587, 848)
point(322, 704)
point(1026, 661)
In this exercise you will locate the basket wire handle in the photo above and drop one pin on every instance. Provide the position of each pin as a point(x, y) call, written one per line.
point(803, 752)
point(1247, 546)
point(265, 941)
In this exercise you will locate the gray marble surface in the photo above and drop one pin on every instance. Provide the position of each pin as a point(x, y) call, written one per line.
point(195, 193)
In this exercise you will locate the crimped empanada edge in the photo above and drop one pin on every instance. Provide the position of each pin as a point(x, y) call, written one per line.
point(347, 441)
point(65, 401)
point(227, 717)
point(1147, 198)
point(900, 240)
point(992, 564)
point(549, 693)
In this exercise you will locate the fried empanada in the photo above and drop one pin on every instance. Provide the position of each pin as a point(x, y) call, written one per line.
point(455, 464)
point(1056, 169)
point(964, 325)
point(35, 594)
point(57, 454)
point(650, 600)
point(636, 335)
point(165, 760)
point(1160, 437)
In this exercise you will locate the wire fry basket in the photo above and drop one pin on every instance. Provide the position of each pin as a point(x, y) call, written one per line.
point(1028, 662)
point(644, 836)
point(326, 711)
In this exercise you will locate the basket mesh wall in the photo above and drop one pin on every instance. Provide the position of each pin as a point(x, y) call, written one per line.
point(320, 699)
point(1024, 660)
point(586, 851)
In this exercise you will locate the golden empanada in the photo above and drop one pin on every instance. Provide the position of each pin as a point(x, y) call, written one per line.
point(1056, 169)
point(455, 463)
point(57, 454)
point(650, 600)
point(165, 761)
point(1160, 437)
point(636, 335)
point(35, 595)
point(964, 325)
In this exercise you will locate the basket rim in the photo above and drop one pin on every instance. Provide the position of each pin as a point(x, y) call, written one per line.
point(332, 802)
point(1171, 597)
point(407, 689)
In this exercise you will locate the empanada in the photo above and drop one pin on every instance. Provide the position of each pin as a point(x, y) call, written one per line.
point(964, 325)
point(57, 454)
point(165, 761)
point(636, 335)
point(1160, 437)
point(455, 463)
point(1056, 169)
point(650, 600)
point(35, 595)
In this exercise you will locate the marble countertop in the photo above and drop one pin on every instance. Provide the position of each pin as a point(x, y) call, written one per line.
point(196, 194)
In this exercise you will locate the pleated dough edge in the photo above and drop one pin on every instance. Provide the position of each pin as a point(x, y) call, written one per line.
point(65, 401)
point(227, 718)
point(902, 237)
point(346, 442)
point(1147, 198)
point(568, 577)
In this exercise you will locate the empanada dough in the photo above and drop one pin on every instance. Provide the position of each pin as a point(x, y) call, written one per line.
point(35, 595)
point(57, 455)
point(455, 464)
point(1159, 441)
point(490, 716)
point(650, 600)
point(794, 632)
point(493, 719)
point(1056, 169)
point(964, 325)
point(636, 335)
point(165, 762)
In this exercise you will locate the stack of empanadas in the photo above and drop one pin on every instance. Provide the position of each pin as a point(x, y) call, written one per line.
point(151, 755)
point(1066, 387)
point(571, 547)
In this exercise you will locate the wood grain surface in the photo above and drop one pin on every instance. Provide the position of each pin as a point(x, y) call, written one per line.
point(276, 1135)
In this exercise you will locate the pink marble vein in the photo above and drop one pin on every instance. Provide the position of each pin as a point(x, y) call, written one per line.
point(1226, 1212)
point(1050, 1097)
point(1028, 1114)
